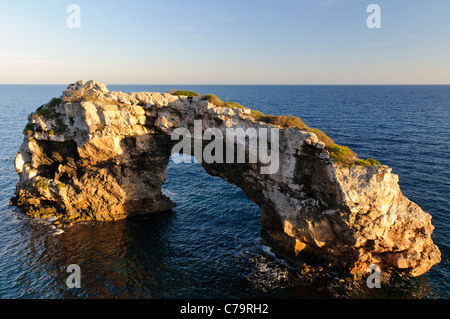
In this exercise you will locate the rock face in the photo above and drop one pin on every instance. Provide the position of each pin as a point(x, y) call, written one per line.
point(95, 154)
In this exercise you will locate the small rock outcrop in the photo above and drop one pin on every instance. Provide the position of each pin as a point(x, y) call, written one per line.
point(95, 154)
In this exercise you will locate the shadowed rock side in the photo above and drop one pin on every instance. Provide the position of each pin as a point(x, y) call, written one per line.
point(95, 154)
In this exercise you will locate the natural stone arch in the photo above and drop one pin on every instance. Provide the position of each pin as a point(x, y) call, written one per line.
point(102, 155)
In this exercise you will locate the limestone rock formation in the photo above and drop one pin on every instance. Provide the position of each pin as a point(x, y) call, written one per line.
point(95, 154)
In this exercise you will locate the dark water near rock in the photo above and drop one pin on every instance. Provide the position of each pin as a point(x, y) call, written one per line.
point(209, 246)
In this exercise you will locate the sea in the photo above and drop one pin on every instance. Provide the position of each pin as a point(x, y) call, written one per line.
point(209, 246)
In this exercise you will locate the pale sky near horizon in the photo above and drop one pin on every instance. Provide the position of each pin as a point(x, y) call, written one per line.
point(225, 42)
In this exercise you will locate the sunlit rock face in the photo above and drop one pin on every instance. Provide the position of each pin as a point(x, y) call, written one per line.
point(95, 154)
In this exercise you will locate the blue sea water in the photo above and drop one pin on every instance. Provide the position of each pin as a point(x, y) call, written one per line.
point(209, 246)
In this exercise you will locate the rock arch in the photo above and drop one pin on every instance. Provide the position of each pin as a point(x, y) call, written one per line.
point(95, 154)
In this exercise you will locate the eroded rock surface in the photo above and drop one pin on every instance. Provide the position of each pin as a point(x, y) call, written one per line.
point(95, 154)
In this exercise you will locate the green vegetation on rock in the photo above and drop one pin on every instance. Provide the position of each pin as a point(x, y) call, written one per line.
point(47, 111)
point(28, 129)
point(185, 93)
point(284, 121)
point(342, 154)
point(329, 143)
point(211, 98)
point(367, 162)
point(41, 184)
point(54, 102)
point(234, 105)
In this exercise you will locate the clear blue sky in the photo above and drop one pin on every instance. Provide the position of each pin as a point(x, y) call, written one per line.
point(226, 42)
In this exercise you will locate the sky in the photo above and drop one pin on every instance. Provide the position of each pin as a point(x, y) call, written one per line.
point(225, 42)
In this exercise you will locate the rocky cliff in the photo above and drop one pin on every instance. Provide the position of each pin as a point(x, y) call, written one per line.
point(95, 154)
